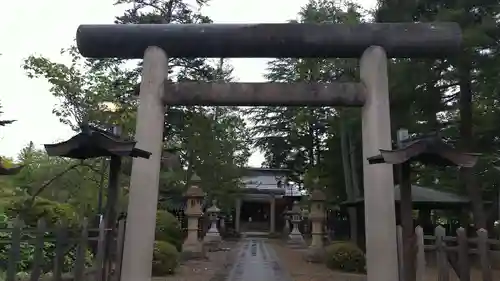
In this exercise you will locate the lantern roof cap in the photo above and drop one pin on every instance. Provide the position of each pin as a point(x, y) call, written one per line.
point(195, 179)
point(213, 208)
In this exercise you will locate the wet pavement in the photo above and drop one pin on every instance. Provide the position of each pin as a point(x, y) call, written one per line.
point(257, 261)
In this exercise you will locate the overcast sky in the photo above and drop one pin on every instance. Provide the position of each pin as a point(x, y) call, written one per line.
point(44, 27)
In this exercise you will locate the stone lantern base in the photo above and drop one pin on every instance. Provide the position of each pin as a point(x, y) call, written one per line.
point(212, 240)
point(286, 230)
point(193, 250)
point(295, 239)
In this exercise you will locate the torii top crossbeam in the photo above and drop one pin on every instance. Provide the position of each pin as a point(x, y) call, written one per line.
point(129, 41)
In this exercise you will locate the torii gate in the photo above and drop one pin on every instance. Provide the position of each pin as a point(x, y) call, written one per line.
point(372, 42)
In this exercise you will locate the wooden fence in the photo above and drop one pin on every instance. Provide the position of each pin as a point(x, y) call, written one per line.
point(59, 242)
point(459, 253)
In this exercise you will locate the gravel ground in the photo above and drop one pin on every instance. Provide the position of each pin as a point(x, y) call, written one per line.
point(300, 270)
point(215, 268)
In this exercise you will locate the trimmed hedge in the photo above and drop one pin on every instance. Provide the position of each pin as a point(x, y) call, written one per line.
point(345, 256)
point(165, 259)
point(168, 229)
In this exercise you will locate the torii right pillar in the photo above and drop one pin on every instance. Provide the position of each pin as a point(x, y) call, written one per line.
point(380, 219)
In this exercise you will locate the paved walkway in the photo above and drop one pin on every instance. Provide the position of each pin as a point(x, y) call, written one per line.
point(257, 261)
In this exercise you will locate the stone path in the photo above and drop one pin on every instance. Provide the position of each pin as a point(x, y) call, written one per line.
point(257, 261)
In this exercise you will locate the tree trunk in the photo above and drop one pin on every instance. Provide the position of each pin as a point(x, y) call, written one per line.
point(354, 166)
point(353, 223)
point(467, 144)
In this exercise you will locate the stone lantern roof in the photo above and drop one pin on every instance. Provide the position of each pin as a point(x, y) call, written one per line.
point(194, 192)
point(213, 208)
point(296, 208)
point(317, 195)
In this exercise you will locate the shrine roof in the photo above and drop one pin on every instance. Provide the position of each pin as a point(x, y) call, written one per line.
point(424, 195)
point(256, 171)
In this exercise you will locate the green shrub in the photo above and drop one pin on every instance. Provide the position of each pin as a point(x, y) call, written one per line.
point(345, 256)
point(168, 229)
point(27, 250)
point(165, 258)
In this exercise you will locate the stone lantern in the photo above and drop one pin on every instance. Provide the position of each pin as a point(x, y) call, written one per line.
point(295, 238)
point(305, 219)
point(305, 213)
point(286, 225)
point(194, 197)
point(222, 222)
point(212, 239)
point(315, 253)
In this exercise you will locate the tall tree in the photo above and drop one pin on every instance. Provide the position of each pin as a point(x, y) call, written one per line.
point(308, 139)
point(211, 141)
point(451, 85)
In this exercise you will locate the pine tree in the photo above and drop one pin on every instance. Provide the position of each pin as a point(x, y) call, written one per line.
point(451, 86)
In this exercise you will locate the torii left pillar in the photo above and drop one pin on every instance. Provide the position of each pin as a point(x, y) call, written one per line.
point(145, 177)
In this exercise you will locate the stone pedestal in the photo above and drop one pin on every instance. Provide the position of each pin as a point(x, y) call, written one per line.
point(212, 239)
point(192, 247)
point(272, 219)
point(192, 244)
point(305, 220)
point(222, 224)
point(286, 226)
point(316, 252)
point(237, 215)
point(295, 239)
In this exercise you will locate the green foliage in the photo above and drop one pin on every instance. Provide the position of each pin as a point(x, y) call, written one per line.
point(58, 179)
point(307, 139)
point(345, 256)
point(168, 229)
point(456, 96)
point(83, 88)
point(211, 140)
point(52, 212)
point(27, 250)
point(165, 258)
